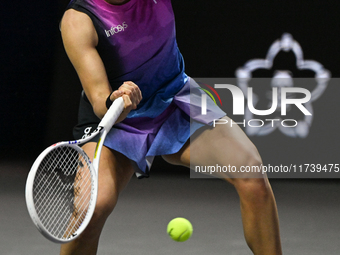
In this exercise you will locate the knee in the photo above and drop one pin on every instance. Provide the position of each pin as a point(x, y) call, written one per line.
point(253, 189)
point(105, 205)
point(253, 184)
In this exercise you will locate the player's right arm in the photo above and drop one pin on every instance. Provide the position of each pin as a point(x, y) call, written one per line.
point(80, 40)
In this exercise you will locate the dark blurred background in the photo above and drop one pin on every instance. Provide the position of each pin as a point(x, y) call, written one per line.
point(39, 89)
point(39, 93)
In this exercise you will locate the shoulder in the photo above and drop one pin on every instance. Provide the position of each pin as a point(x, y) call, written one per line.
point(73, 19)
point(77, 25)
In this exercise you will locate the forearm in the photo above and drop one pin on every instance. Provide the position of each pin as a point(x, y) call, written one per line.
point(98, 102)
point(99, 107)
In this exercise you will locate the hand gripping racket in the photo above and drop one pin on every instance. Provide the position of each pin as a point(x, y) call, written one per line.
point(62, 185)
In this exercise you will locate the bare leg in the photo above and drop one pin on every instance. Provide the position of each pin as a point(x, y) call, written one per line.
point(226, 145)
point(115, 171)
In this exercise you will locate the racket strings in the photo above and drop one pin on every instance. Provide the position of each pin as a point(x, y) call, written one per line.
point(80, 205)
point(62, 191)
point(66, 210)
point(55, 182)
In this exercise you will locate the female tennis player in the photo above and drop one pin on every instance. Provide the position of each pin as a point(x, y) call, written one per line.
point(128, 48)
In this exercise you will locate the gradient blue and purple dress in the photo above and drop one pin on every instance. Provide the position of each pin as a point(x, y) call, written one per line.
point(137, 42)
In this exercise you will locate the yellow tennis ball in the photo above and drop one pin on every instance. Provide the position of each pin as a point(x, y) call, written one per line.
point(179, 229)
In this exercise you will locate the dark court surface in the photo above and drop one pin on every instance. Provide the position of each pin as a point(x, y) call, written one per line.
point(309, 216)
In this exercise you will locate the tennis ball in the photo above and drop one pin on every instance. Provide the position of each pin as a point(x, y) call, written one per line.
point(179, 229)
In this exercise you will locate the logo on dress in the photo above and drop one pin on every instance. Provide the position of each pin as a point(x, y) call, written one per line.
point(116, 29)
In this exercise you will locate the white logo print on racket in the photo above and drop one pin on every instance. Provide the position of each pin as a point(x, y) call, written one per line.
point(87, 132)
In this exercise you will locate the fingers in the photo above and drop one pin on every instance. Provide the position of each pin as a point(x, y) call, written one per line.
point(115, 94)
point(131, 95)
point(132, 91)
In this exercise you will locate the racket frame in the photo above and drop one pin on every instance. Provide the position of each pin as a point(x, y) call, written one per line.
point(103, 128)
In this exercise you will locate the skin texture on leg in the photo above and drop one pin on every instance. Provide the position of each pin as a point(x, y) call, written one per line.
point(114, 173)
point(224, 145)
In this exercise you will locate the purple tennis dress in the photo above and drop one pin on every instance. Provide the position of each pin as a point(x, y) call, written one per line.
point(137, 42)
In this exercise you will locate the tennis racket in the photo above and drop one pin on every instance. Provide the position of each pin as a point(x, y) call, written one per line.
point(62, 185)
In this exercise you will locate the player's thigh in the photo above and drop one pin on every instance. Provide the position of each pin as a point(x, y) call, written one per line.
point(223, 145)
point(114, 173)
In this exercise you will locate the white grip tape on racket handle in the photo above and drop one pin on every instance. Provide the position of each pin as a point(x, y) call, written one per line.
point(112, 113)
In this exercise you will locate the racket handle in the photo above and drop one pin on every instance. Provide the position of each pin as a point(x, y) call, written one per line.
point(112, 114)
